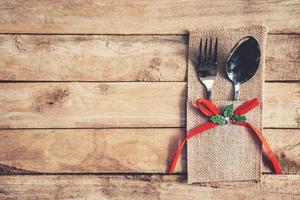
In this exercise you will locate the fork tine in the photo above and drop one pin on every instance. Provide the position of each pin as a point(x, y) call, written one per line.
point(200, 52)
point(207, 68)
point(216, 52)
point(210, 61)
point(205, 52)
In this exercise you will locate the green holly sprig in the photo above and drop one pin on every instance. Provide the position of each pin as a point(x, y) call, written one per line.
point(227, 117)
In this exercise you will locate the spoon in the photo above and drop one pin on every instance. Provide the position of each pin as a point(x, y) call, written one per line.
point(243, 62)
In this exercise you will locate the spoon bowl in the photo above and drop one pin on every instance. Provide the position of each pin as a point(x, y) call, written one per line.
point(243, 62)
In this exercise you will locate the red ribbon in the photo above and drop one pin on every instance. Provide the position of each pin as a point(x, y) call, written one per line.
point(209, 109)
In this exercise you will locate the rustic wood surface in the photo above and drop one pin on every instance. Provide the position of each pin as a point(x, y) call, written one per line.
point(137, 17)
point(143, 187)
point(147, 150)
point(126, 111)
point(121, 58)
point(85, 105)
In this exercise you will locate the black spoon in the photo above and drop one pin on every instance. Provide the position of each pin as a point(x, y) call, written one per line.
point(243, 62)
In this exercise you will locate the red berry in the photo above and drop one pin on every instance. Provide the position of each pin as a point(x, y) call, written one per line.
point(232, 121)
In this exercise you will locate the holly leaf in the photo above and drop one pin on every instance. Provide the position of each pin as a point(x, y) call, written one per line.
point(228, 112)
point(218, 119)
point(239, 118)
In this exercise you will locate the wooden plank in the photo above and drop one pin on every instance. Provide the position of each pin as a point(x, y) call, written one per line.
point(82, 105)
point(282, 98)
point(121, 58)
point(92, 58)
point(286, 145)
point(283, 57)
point(67, 105)
point(143, 187)
point(116, 150)
point(137, 17)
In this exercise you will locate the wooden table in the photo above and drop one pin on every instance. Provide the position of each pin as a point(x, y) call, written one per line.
point(92, 97)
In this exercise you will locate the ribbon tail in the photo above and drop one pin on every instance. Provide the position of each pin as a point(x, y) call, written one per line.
point(266, 146)
point(191, 133)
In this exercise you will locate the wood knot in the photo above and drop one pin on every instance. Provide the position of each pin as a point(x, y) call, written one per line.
point(147, 75)
point(152, 73)
point(56, 96)
point(103, 88)
point(50, 98)
point(155, 63)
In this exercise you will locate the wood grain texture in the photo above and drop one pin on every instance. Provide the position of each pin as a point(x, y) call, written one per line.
point(116, 150)
point(67, 105)
point(142, 58)
point(143, 187)
point(283, 57)
point(82, 105)
point(286, 145)
point(89, 151)
point(280, 99)
point(136, 17)
point(121, 58)
point(93, 58)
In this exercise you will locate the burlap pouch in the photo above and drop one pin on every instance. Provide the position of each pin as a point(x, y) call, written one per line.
point(224, 153)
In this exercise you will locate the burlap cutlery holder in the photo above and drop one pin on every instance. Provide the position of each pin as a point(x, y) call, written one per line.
point(224, 153)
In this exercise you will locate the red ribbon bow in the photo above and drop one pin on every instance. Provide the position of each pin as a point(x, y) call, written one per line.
point(209, 109)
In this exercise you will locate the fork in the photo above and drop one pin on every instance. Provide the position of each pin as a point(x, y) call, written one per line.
point(207, 67)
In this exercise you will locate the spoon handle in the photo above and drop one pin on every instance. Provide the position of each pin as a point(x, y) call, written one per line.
point(209, 94)
point(236, 91)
